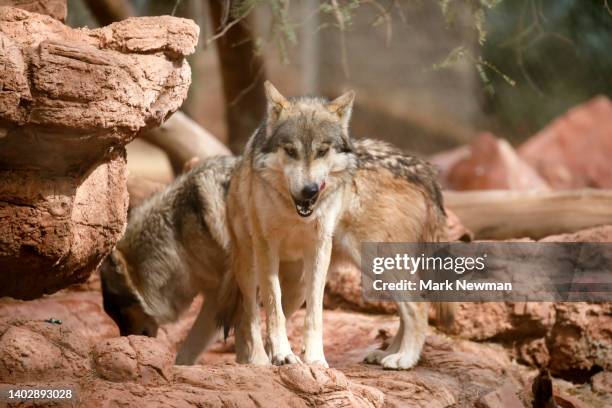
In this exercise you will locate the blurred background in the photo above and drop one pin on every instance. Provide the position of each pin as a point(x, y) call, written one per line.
point(429, 75)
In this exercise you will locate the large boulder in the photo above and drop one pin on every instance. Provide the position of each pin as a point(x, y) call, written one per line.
point(574, 150)
point(70, 99)
point(492, 164)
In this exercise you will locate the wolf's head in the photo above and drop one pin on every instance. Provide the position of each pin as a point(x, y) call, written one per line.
point(304, 150)
point(120, 300)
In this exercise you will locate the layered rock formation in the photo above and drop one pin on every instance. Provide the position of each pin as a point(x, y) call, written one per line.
point(70, 99)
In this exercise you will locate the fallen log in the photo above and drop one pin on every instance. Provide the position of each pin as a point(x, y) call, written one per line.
point(181, 138)
point(502, 214)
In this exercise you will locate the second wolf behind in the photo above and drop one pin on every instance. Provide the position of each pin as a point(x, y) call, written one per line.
point(174, 248)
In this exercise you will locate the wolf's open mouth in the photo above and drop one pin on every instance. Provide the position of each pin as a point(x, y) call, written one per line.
point(304, 208)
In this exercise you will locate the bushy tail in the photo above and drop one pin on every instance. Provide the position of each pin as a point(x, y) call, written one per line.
point(445, 314)
point(230, 303)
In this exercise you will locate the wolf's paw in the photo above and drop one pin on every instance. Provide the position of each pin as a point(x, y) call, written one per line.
point(376, 356)
point(281, 359)
point(399, 361)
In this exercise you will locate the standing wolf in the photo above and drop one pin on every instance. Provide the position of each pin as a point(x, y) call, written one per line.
point(302, 190)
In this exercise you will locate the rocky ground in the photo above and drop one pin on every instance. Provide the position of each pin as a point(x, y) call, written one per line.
point(489, 359)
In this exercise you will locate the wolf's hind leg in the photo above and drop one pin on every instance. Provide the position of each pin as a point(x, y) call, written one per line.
point(414, 330)
point(203, 332)
point(376, 356)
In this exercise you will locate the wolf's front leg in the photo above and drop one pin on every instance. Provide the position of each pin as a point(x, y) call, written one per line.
point(316, 264)
point(267, 263)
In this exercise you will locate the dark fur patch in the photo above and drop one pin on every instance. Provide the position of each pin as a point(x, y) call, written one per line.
point(116, 294)
point(189, 198)
point(376, 154)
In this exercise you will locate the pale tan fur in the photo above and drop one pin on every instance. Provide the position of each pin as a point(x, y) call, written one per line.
point(386, 208)
point(369, 204)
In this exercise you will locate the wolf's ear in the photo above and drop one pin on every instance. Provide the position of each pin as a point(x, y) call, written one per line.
point(276, 101)
point(343, 106)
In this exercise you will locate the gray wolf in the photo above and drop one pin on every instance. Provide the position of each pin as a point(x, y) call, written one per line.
point(305, 192)
point(174, 247)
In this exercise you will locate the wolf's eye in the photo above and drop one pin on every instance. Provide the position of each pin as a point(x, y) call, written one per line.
point(291, 152)
point(322, 152)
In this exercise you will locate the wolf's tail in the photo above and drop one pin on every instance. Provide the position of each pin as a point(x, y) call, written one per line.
point(445, 313)
point(230, 302)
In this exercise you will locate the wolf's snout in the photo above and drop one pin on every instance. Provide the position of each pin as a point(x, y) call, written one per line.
point(310, 191)
point(307, 199)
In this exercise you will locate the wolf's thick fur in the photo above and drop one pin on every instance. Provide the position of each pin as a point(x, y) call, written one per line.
point(364, 191)
point(174, 247)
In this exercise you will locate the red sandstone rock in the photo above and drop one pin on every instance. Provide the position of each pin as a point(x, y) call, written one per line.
point(54, 8)
point(506, 396)
point(581, 338)
point(82, 311)
point(570, 339)
point(70, 99)
point(574, 150)
point(107, 370)
point(487, 320)
point(343, 290)
point(139, 371)
point(602, 383)
point(134, 358)
point(446, 160)
point(41, 351)
point(493, 164)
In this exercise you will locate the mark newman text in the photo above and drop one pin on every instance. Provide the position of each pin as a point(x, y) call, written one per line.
point(407, 285)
